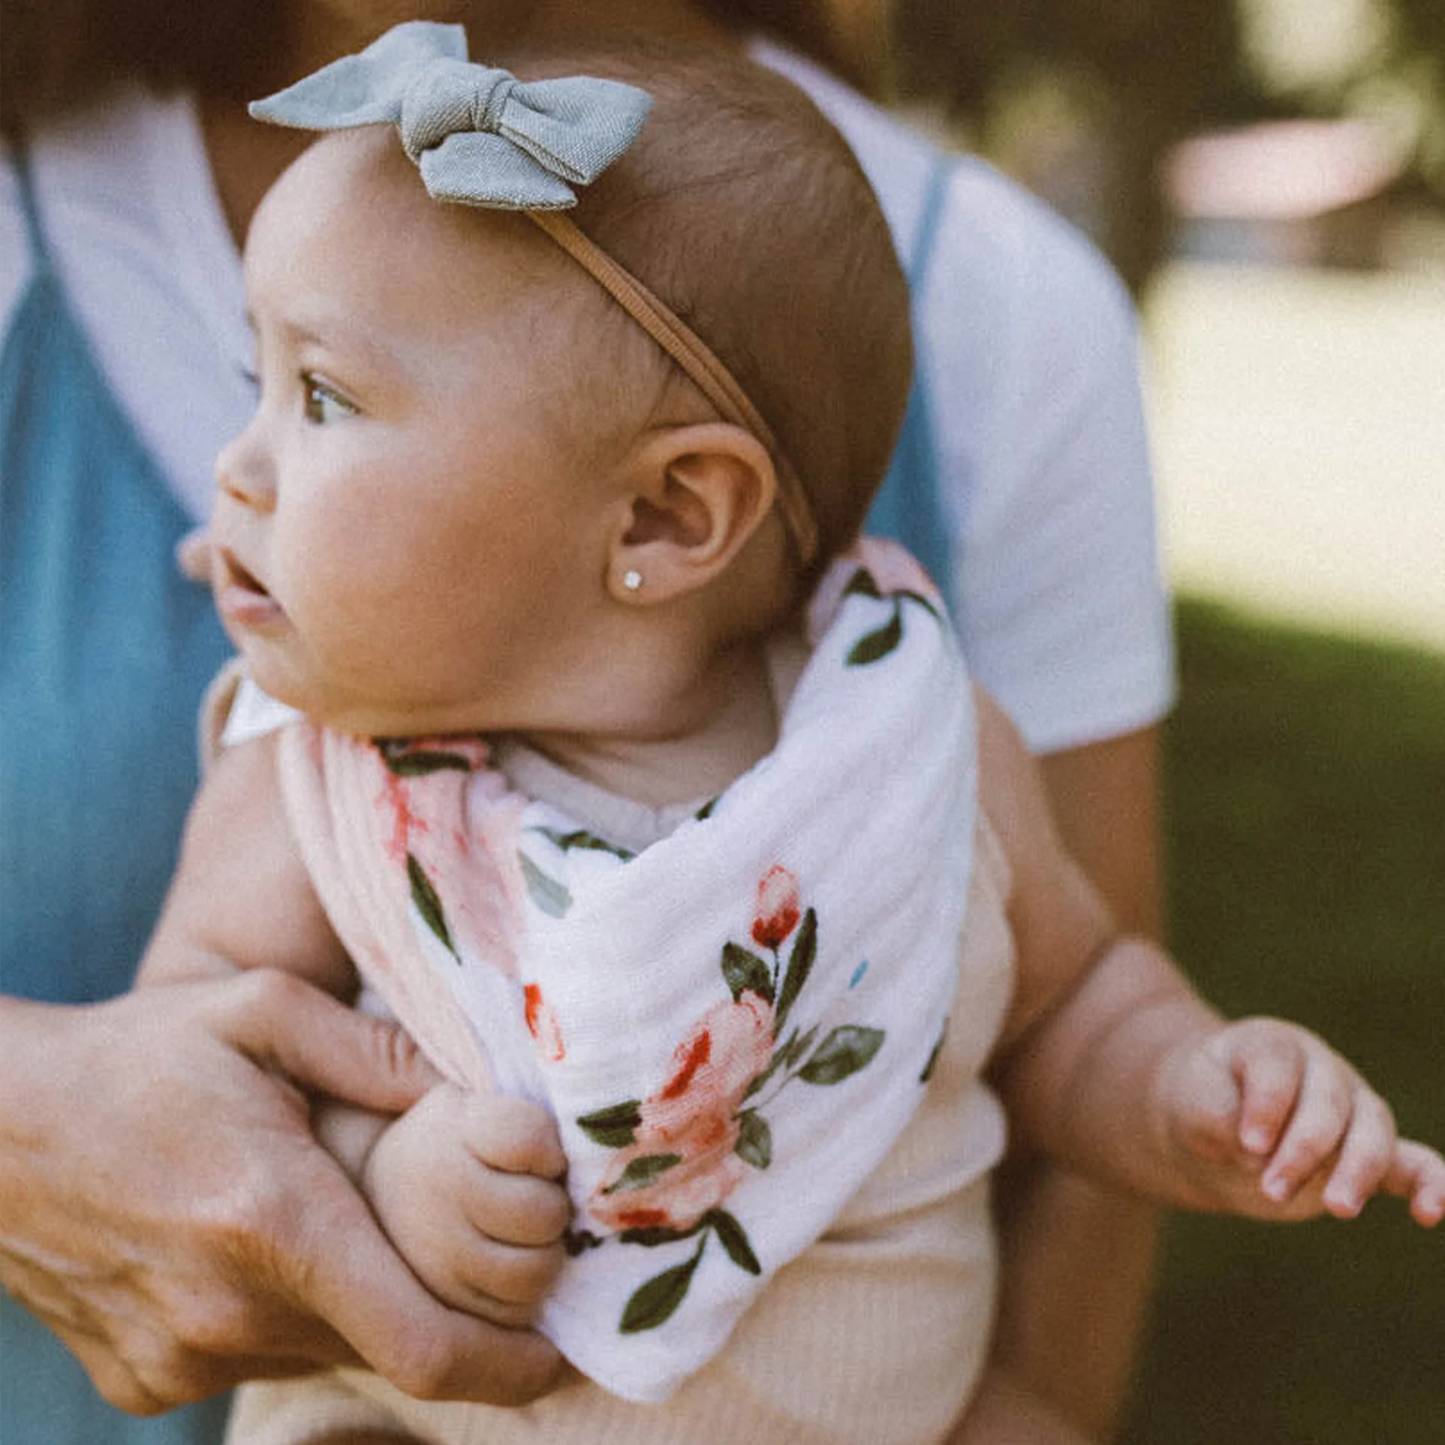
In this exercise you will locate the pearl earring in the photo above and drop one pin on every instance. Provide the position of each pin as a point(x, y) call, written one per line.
point(632, 579)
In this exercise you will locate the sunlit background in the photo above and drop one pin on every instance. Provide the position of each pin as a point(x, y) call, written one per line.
point(1269, 176)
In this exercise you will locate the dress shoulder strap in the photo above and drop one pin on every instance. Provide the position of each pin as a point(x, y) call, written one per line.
point(30, 209)
point(925, 234)
point(909, 506)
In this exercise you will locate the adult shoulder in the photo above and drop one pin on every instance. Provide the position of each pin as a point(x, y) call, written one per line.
point(1027, 344)
point(149, 271)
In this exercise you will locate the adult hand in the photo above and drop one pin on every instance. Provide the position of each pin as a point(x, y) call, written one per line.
point(165, 1209)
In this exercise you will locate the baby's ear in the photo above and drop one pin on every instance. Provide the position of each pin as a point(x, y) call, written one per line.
point(698, 495)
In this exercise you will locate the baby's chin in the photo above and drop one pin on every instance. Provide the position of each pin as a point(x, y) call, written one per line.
point(354, 710)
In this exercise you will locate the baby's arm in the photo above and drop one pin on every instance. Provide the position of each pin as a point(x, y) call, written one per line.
point(1112, 1063)
point(241, 897)
point(464, 1185)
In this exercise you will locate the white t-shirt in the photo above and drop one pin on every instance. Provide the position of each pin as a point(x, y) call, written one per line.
point(1027, 340)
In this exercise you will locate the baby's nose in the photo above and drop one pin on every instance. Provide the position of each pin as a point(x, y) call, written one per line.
point(244, 474)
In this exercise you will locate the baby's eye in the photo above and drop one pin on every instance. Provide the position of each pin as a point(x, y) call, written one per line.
point(324, 403)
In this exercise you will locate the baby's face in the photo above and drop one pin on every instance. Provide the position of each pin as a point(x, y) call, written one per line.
point(408, 538)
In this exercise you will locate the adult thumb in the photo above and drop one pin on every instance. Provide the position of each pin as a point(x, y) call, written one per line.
point(324, 1045)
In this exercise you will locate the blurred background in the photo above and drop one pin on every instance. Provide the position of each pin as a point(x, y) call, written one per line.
point(1269, 177)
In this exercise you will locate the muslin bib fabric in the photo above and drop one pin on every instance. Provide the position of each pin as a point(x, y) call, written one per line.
point(734, 1025)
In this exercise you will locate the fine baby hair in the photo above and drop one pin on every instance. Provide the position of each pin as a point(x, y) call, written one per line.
point(746, 211)
point(761, 917)
point(736, 206)
point(429, 375)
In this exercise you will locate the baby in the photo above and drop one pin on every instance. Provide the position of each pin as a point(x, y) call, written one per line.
point(634, 785)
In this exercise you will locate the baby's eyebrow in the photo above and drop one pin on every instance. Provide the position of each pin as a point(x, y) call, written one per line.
point(333, 334)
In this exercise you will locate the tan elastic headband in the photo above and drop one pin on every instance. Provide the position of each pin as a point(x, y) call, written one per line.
point(698, 361)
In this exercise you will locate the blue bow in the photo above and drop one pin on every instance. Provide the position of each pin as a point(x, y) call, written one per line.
point(479, 136)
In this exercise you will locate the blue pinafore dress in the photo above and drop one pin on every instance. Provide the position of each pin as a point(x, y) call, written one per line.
point(909, 505)
point(104, 653)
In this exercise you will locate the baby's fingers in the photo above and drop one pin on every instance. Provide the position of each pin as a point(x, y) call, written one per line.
point(1417, 1173)
point(1332, 1106)
point(1269, 1066)
point(1364, 1156)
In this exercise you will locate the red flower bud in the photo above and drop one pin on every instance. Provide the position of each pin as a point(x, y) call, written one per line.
point(778, 907)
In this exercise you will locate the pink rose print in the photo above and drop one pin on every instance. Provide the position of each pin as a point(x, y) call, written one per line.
point(895, 569)
point(542, 1024)
point(682, 1152)
point(692, 1122)
point(877, 568)
point(705, 1172)
point(461, 869)
point(778, 907)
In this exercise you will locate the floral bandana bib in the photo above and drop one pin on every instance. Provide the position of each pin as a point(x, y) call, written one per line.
point(732, 1026)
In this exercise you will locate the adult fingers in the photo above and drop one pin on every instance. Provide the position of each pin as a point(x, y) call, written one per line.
point(354, 1279)
point(321, 1044)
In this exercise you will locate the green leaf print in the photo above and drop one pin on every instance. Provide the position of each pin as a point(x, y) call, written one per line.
point(846, 1050)
point(800, 965)
point(932, 1063)
point(581, 838)
point(418, 765)
point(547, 893)
point(862, 585)
point(745, 971)
point(755, 1139)
point(654, 1234)
point(876, 645)
point(614, 1126)
point(644, 1171)
point(654, 1302)
point(734, 1239)
point(796, 1047)
point(926, 603)
point(428, 904)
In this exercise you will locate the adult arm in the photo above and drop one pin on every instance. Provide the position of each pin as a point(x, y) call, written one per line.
point(164, 1205)
point(1104, 798)
point(1068, 625)
point(1078, 1255)
point(166, 1211)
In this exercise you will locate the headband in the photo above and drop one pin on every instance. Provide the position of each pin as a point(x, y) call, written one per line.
point(481, 137)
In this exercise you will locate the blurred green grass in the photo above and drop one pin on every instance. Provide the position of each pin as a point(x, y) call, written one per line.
point(1306, 801)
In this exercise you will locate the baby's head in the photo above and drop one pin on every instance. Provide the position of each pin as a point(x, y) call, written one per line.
point(477, 494)
point(744, 210)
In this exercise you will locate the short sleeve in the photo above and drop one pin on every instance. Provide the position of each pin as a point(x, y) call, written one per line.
point(1030, 349)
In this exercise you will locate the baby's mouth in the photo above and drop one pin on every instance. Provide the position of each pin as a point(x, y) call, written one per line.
point(241, 597)
point(235, 575)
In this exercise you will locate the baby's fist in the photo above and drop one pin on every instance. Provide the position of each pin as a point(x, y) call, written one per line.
point(467, 1187)
point(1276, 1124)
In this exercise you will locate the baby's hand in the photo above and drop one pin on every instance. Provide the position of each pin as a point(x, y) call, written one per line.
point(466, 1186)
point(1277, 1125)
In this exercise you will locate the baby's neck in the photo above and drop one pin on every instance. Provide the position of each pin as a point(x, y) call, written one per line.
point(717, 734)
